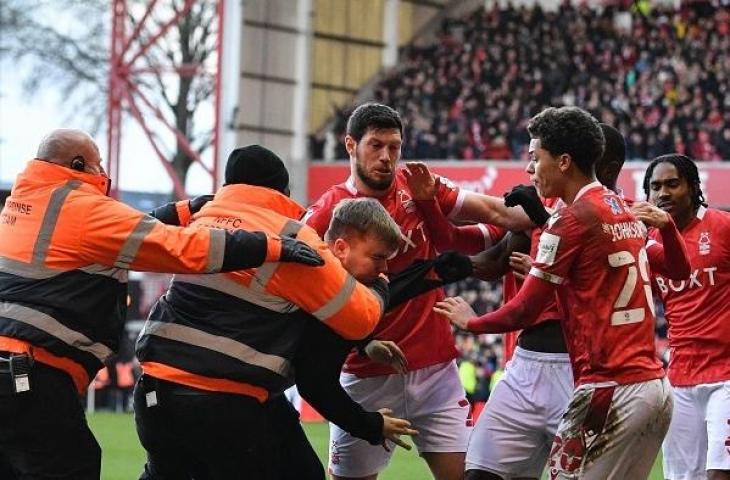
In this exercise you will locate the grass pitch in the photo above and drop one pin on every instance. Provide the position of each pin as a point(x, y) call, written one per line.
point(123, 457)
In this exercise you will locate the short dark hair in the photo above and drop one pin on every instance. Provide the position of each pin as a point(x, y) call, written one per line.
point(686, 168)
point(363, 216)
point(614, 146)
point(569, 130)
point(375, 116)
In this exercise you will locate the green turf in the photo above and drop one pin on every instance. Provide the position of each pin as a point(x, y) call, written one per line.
point(123, 457)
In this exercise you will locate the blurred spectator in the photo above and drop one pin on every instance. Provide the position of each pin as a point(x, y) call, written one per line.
point(661, 76)
point(482, 352)
point(723, 144)
point(468, 376)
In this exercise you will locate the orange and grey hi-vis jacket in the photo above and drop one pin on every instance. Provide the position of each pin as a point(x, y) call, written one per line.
point(238, 332)
point(65, 249)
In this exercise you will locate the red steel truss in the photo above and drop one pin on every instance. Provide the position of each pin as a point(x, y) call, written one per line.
point(127, 72)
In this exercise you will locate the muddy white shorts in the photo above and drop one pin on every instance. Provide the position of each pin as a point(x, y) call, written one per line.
point(513, 435)
point(612, 432)
point(699, 435)
point(431, 398)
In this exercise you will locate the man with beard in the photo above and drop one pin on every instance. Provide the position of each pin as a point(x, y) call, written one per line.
point(431, 390)
point(696, 446)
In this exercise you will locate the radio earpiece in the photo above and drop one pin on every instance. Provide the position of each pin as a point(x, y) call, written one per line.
point(78, 163)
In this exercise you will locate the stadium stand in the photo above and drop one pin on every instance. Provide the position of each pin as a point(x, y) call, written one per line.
point(661, 76)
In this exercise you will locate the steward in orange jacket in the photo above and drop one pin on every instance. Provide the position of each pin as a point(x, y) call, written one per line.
point(216, 347)
point(65, 249)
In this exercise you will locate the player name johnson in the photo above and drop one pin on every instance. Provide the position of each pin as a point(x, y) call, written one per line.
point(624, 230)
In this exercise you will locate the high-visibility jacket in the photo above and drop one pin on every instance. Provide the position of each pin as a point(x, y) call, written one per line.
point(65, 249)
point(238, 332)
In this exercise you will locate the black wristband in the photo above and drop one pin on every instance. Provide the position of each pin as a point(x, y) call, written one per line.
point(373, 430)
point(243, 250)
point(381, 289)
point(167, 214)
point(360, 347)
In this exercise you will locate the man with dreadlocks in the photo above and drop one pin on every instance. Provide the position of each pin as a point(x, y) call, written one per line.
point(697, 309)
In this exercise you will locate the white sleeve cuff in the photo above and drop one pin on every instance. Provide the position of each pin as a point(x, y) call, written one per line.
point(552, 278)
point(487, 237)
point(460, 197)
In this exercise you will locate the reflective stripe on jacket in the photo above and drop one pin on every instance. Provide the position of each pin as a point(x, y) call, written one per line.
point(238, 332)
point(65, 249)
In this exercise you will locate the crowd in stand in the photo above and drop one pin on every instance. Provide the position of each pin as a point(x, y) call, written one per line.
point(662, 77)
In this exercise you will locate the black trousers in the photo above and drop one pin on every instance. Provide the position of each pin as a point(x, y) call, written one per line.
point(192, 434)
point(43, 432)
point(296, 458)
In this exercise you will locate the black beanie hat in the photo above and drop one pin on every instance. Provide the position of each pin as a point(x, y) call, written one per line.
point(256, 165)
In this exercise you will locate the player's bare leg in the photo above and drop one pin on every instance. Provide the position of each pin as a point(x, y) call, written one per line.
point(718, 475)
point(445, 465)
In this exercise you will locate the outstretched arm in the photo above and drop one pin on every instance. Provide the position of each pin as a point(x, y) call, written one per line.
point(318, 363)
point(179, 213)
point(445, 235)
point(492, 264)
point(519, 313)
point(476, 207)
point(482, 208)
point(115, 234)
point(416, 279)
point(562, 238)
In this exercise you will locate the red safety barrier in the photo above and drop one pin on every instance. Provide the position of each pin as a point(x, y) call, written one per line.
point(125, 375)
point(477, 410)
point(308, 414)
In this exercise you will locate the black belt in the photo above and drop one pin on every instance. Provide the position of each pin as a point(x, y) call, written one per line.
point(6, 358)
point(16, 369)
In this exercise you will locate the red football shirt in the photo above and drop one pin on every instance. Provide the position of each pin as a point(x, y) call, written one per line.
point(698, 308)
point(511, 285)
point(593, 250)
point(424, 336)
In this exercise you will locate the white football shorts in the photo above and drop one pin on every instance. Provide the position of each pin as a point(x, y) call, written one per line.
point(699, 435)
point(431, 398)
point(513, 435)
